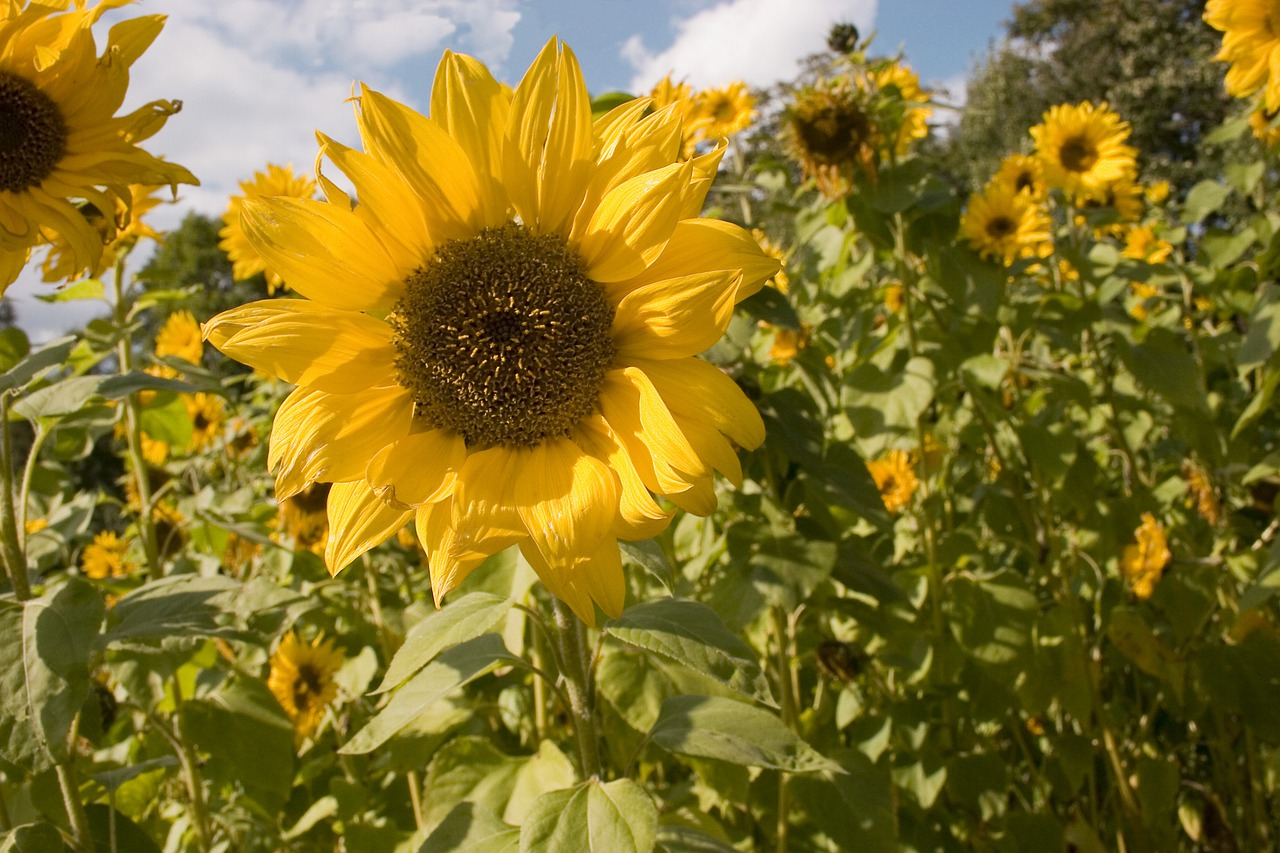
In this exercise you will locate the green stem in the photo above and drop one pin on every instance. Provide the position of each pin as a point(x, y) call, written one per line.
point(783, 631)
point(571, 637)
point(15, 561)
point(81, 836)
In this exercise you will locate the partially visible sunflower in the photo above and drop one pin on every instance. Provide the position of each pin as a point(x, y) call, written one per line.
point(722, 112)
point(1262, 123)
point(180, 336)
point(302, 680)
point(1003, 224)
point(304, 518)
point(914, 106)
point(1251, 43)
point(1157, 192)
point(1201, 492)
point(106, 557)
point(62, 144)
point(894, 477)
point(1024, 172)
point(787, 343)
point(1144, 294)
point(678, 96)
point(276, 181)
point(830, 131)
point(207, 413)
point(498, 341)
point(120, 233)
point(780, 282)
point(1124, 196)
point(1143, 562)
point(1142, 244)
point(1083, 148)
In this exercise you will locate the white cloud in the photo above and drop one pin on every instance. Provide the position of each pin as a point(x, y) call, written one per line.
point(756, 41)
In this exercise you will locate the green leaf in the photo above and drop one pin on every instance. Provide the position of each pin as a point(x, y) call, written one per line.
point(33, 838)
point(601, 104)
point(991, 618)
point(1262, 340)
point(462, 619)
point(1203, 199)
point(28, 366)
point(176, 606)
point(855, 808)
point(14, 346)
point(165, 418)
point(113, 779)
point(595, 817)
point(1162, 364)
point(106, 828)
point(732, 731)
point(90, 288)
point(45, 647)
point(686, 839)
point(1131, 634)
point(692, 634)
point(771, 306)
point(890, 399)
point(63, 397)
point(469, 828)
point(452, 669)
point(648, 555)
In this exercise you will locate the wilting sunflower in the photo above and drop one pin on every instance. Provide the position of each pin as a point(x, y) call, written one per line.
point(275, 181)
point(1004, 224)
point(1251, 43)
point(62, 145)
point(499, 340)
point(723, 111)
point(1143, 562)
point(105, 557)
point(1024, 172)
point(302, 681)
point(180, 336)
point(1083, 148)
point(831, 132)
point(894, 478)
point(120, 233)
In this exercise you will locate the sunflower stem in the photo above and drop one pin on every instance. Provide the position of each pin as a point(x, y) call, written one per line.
point(81, 837)
point(571, 637)
point(15, 561)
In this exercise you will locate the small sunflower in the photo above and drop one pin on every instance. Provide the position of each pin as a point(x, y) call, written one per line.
point(1143, 562)
point(106, 557)
point(304, 517)
point(894, 478)
point(276, 181)
point(779, 282)
point(831, 132)
point(787, 344)
point(1003, 224)
point(1201, 494)
point(1251, 43)
point(895, 297)
point(1262, 123)
point(1142, 244)
point(180, 336)
point(499, 340)
point(1083, 148)
point(302, 680)
point(1025, 173)
point(62, 145)
point(722, 112)
point(914, 104)
point(1144, 294)
point(207, 414)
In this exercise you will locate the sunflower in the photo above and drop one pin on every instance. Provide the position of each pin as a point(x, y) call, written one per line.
point(105, 558)
point(1251, 43)
point(499, 340)
point(207, 416)
point(1263, 125)
point(678, 96)
point(914, 108)
point(120, 233)
point(787, 343)
point(1083, 148)
point(1004, 224)
point(1025, 173)
point(779, 282)
point(1123, 195)
point(304, 518)
point(180, 336)
point(894, 478)
point(302, 680)
point(831, 132)
point(275, 181)
point(1142, 244)
point(1143, 562)
point(1201, 493)
point(723, 112)
point(62, 144)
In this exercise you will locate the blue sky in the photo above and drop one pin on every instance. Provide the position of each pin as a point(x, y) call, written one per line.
point(258, 77)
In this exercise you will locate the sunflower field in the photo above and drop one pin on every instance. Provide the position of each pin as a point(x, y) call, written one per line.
point(694, 471)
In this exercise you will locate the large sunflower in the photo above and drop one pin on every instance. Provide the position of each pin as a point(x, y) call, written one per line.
point(1003, 223)
point(499, 340)
point(1251, 43)
point(1083, 148)
point(61, 145)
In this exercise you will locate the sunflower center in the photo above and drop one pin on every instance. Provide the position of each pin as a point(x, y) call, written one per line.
point(307, 688)
point(33, 134)
point(1078, 155)
point(830, 128)
point(1001, 226)
point(503, 338)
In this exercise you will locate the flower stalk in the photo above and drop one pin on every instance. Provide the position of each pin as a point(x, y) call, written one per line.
point(575, 671)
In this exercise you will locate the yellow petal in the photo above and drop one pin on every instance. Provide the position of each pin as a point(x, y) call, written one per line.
point(639, 515)
point(633, 223)
point(705, 168)
point(472, 106)
point(419, 468)
point(567, 501)
point(675, 318)
point(324, 252)
point(429, 159)
point(307, 343)
point(358, 520)
point(599, 579)
point(549, 147)
point(331, 438)
point(703, 245)
point(696, 390)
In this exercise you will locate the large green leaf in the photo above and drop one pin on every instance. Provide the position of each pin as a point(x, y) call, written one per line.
point(45, 647)
point(30, 365)
point(452, 669)
point(1262, 340)
point(692, 634)
point(855, 808)
point(595, 817)
point(176, 606)
point(1162, 364)
point(991, 618)
point(465, 618)
point(892, 398)
point(469, 828)
point(732, 731)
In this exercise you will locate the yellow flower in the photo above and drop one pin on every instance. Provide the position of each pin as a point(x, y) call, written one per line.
point(1157, 192)
point(499, 340)
point(894, 478)
point(830, 131)
point(35, 525)
point(180, 336)
point(1123, 195)
point(1142, 244)
point(895, 297)
point(1083, 148)
point(1004, 224)
point(304, 519)
point(1251, 43)
point(275, 181)
point(772, 250)
point(1260, 122)
point(1025, 173)
point(120, 233)
point(207, 416)
point(302, 680)
point(170, 526)
point(723, 112)
point(914, 109)
point(680, 97)
point(1143, 562)
point(1201, 493)
point(105, 558)
point(1143, 292)
point(64, 145)
point(787, 344)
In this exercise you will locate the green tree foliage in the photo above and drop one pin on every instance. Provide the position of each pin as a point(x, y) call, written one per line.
point(1151, 60)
